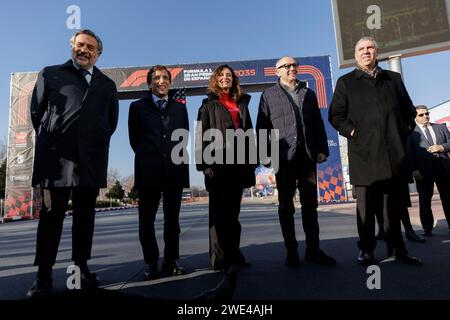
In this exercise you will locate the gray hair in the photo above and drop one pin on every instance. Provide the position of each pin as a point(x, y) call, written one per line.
point(89, 33)
point(367, 38)
point(278, 61)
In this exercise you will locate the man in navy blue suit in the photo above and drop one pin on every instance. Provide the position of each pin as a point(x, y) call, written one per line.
point(427, 150)
point(151, 123)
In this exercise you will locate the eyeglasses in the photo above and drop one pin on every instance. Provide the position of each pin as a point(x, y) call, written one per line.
point(423, 114)
point(287, 66)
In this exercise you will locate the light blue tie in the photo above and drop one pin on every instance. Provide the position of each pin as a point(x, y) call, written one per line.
point(85, 73)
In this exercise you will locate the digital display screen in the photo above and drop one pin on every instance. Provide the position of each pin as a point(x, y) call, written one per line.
point(409, 27)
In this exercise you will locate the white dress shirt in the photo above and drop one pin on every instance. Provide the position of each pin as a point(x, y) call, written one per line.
point(89, 75)
point(430, 128)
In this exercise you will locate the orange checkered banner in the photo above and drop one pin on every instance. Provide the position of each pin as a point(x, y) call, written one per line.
point(19, 193)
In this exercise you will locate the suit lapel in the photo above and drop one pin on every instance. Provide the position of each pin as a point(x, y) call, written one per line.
point(95, 80)
point(437, 133)
point(150, 105)
point(422, 135)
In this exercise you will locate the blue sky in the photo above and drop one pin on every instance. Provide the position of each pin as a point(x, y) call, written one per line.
point(142, 33)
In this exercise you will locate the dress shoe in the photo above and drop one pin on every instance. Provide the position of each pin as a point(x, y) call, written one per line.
point(89, 280)
point(39, 288)
point(292, 260)
point(366, 258)
point(151, 272)
point(319, 257)
point(219, 267)
point(172, 268)
point(409, 259)
point(428, 233)
point(224, 290)
point(412, 236)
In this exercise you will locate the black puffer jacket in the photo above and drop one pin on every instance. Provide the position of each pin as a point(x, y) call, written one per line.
point(276, 111)
point(213, 115)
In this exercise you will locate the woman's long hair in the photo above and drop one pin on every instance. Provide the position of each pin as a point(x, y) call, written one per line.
point(214, 88)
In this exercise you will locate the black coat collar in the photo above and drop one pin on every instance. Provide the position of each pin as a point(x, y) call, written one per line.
point(300, 84)
point(359, 74)
point(69, 65)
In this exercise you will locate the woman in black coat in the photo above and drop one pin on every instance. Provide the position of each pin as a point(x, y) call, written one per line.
point(225, 111)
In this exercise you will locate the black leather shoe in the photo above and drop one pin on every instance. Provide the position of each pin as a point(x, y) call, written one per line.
point(89, 280)
point(172, 268)
point(220, 267)
point(319, 257)
point(428, 233)
point(39, 288)
point(224, 290)
point(412, 236)
point(292, 260)
point(409, 259)
point(151, 272)
point(366, 258)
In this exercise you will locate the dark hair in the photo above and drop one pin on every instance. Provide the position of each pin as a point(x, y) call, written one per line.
point(213, 85)
point(89, 33)
point(421, 106)
point(155, 68)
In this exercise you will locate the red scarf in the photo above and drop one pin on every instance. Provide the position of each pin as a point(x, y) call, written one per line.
point(232, 108)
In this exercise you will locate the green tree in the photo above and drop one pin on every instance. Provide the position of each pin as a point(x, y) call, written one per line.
point(133, 194)
point(116, 191)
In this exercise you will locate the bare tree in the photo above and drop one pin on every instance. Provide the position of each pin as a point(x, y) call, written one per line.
point(127, 183)
point(3, 152)
point(112, 177)
point(3, 149)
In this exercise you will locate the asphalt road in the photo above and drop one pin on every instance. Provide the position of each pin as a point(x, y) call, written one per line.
point(117, 259)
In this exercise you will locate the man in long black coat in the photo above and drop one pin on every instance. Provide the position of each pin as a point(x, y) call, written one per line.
point(161, 166)
point(372, 109)
point(74, 110)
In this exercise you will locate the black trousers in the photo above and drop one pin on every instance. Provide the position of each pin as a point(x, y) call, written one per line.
point(386, 197)
point(403, 213)
point(224, 227)
point(148, 206)
point(298, 174)
point(54, 206)
point(425, 189)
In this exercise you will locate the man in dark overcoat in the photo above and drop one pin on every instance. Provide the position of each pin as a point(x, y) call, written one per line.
point(74, 110)
point(427, 151)
point(372, 109)
point(158, 129)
